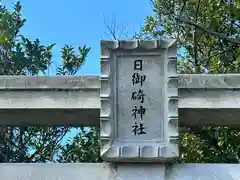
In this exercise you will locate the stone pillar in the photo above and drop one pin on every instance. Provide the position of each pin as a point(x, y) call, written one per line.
point(139, 101)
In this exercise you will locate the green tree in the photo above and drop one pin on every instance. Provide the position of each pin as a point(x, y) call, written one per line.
point(208, 36)
point(84, 147)
point(21, 56)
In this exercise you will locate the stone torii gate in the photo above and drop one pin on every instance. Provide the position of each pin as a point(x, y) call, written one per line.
point(138, 102)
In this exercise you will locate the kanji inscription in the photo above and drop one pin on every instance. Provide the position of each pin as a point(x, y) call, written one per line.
point(140, 102)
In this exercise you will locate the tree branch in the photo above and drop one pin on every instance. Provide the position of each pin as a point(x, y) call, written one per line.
point(195, 40)
point(115, 31)
point(213, 33)
point(110, 29)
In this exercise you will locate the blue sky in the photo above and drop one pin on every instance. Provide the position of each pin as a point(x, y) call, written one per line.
point(79, 22)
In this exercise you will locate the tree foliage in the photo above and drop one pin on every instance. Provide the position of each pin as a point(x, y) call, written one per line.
point(84, 147)
point(207, 31)
point(21, 56)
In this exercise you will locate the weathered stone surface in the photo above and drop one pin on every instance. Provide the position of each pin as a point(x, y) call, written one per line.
point(49, 99)
point(98, 171)
point(43, 105)
point(203, 172)
point(135, 44)
point(49, 82)
point(139, 111)
point(209, 81)
point(185, 81)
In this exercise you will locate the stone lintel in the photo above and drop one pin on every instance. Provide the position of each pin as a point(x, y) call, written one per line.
point(209, 81)
point(186, 81)
point(199, 103)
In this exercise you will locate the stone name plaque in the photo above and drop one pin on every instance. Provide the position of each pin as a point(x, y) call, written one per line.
point(139, 97)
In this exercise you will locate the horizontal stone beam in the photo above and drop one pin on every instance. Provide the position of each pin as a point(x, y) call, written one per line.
point(75, 100)
point(104, 171)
